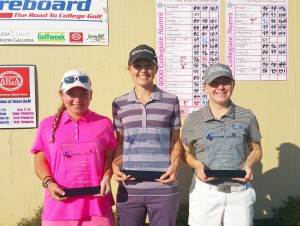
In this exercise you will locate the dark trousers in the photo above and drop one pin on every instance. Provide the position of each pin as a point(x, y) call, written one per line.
point(161, 210)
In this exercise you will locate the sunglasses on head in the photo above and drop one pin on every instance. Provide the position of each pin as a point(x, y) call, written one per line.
point(72, 79)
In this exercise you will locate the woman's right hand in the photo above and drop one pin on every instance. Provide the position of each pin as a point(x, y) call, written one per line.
point(55, 191)
point(119, 175)
point(199, 172)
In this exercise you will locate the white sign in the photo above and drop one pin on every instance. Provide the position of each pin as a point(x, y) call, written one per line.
point(17, 96)
point(187, 42)
point(257, 39)
point(53, 22)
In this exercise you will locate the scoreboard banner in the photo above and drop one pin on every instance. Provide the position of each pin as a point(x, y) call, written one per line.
point(53, 22)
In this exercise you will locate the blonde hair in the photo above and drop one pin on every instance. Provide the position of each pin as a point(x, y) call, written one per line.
point(56, 122)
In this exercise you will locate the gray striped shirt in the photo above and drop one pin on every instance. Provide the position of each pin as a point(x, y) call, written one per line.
point(146, 130)
point(221, 144)
point(162, 111)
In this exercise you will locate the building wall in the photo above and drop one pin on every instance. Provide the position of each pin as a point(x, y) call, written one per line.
point(132, 22)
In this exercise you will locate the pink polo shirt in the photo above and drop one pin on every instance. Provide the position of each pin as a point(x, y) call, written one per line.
point(77, 160)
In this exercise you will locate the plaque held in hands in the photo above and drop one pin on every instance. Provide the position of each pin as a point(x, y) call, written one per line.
point(225, 161)
point(146, 152)
point(82, 170)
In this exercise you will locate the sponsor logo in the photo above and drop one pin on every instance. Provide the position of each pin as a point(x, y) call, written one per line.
point(96, 37)
point(5, 40)
point(56, 5)
point(14, 82)
point(10, 80)
point(22, 34)
point(141, 50)
point(51, 37)
point(14, 34)
point(76, 37)
point(211, 137)
point(23, 40)
point(14, 40)
point(218, 68)
point(238, 126)
point(6, 33)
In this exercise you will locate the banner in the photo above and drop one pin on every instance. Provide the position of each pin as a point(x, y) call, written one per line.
point(53, 22)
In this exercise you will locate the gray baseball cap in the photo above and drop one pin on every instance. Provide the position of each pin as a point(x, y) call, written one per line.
point(215, 71)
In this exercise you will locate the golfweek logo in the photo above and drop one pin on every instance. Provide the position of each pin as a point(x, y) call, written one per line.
point(51, 37)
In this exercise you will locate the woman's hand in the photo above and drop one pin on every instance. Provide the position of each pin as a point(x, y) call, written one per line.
point(170, 175)
point(105, 187)
point(119, 175)
point(248, 176)
point(56, 192)
point(199, 172)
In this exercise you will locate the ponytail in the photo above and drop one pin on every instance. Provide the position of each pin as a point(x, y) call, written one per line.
point(56, 122)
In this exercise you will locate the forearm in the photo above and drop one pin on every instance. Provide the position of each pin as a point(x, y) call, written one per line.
point(176, 148)
point(118, 153)
point(188, 158)
point(108, 163)
point(117, 157)
point(176, 153)
point(255, 154)
point(41, 166)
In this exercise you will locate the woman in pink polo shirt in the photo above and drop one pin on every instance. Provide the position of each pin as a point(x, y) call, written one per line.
point(72, 155)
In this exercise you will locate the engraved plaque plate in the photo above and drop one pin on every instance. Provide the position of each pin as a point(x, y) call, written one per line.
point(146, 149)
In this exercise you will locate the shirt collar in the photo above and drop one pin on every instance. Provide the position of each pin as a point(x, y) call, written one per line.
point(66, 118)
point(208, 116)
point(157, 95)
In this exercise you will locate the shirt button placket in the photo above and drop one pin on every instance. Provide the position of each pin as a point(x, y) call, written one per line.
point(76, 131)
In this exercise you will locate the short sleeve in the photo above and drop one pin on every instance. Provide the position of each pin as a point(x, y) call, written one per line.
point(117, 124)
point(176, 120)
point(187, 135)
point(112, 143)
point(39, 141)
point(254, 133)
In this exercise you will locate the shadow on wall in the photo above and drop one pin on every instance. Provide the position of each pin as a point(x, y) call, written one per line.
point(277, 184)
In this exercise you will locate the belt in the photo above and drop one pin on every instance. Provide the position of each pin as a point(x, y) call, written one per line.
point(226, 188)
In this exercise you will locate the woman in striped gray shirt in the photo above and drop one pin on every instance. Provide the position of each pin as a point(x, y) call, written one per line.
point(226, 139)
point(147, 124)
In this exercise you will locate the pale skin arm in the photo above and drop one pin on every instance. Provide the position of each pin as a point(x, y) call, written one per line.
point(42, 169)
point(176, 152)
point(253, 158)
point(107, 174)
point(117, 160)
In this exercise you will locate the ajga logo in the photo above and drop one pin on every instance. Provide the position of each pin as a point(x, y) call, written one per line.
point(14, 82)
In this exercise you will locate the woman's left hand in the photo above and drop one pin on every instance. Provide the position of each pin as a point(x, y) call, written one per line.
point(105, 187)
point(248, 175)
point(170, 175)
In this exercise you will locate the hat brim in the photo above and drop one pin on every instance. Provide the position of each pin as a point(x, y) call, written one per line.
point(212, 78)
point(150, 59)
